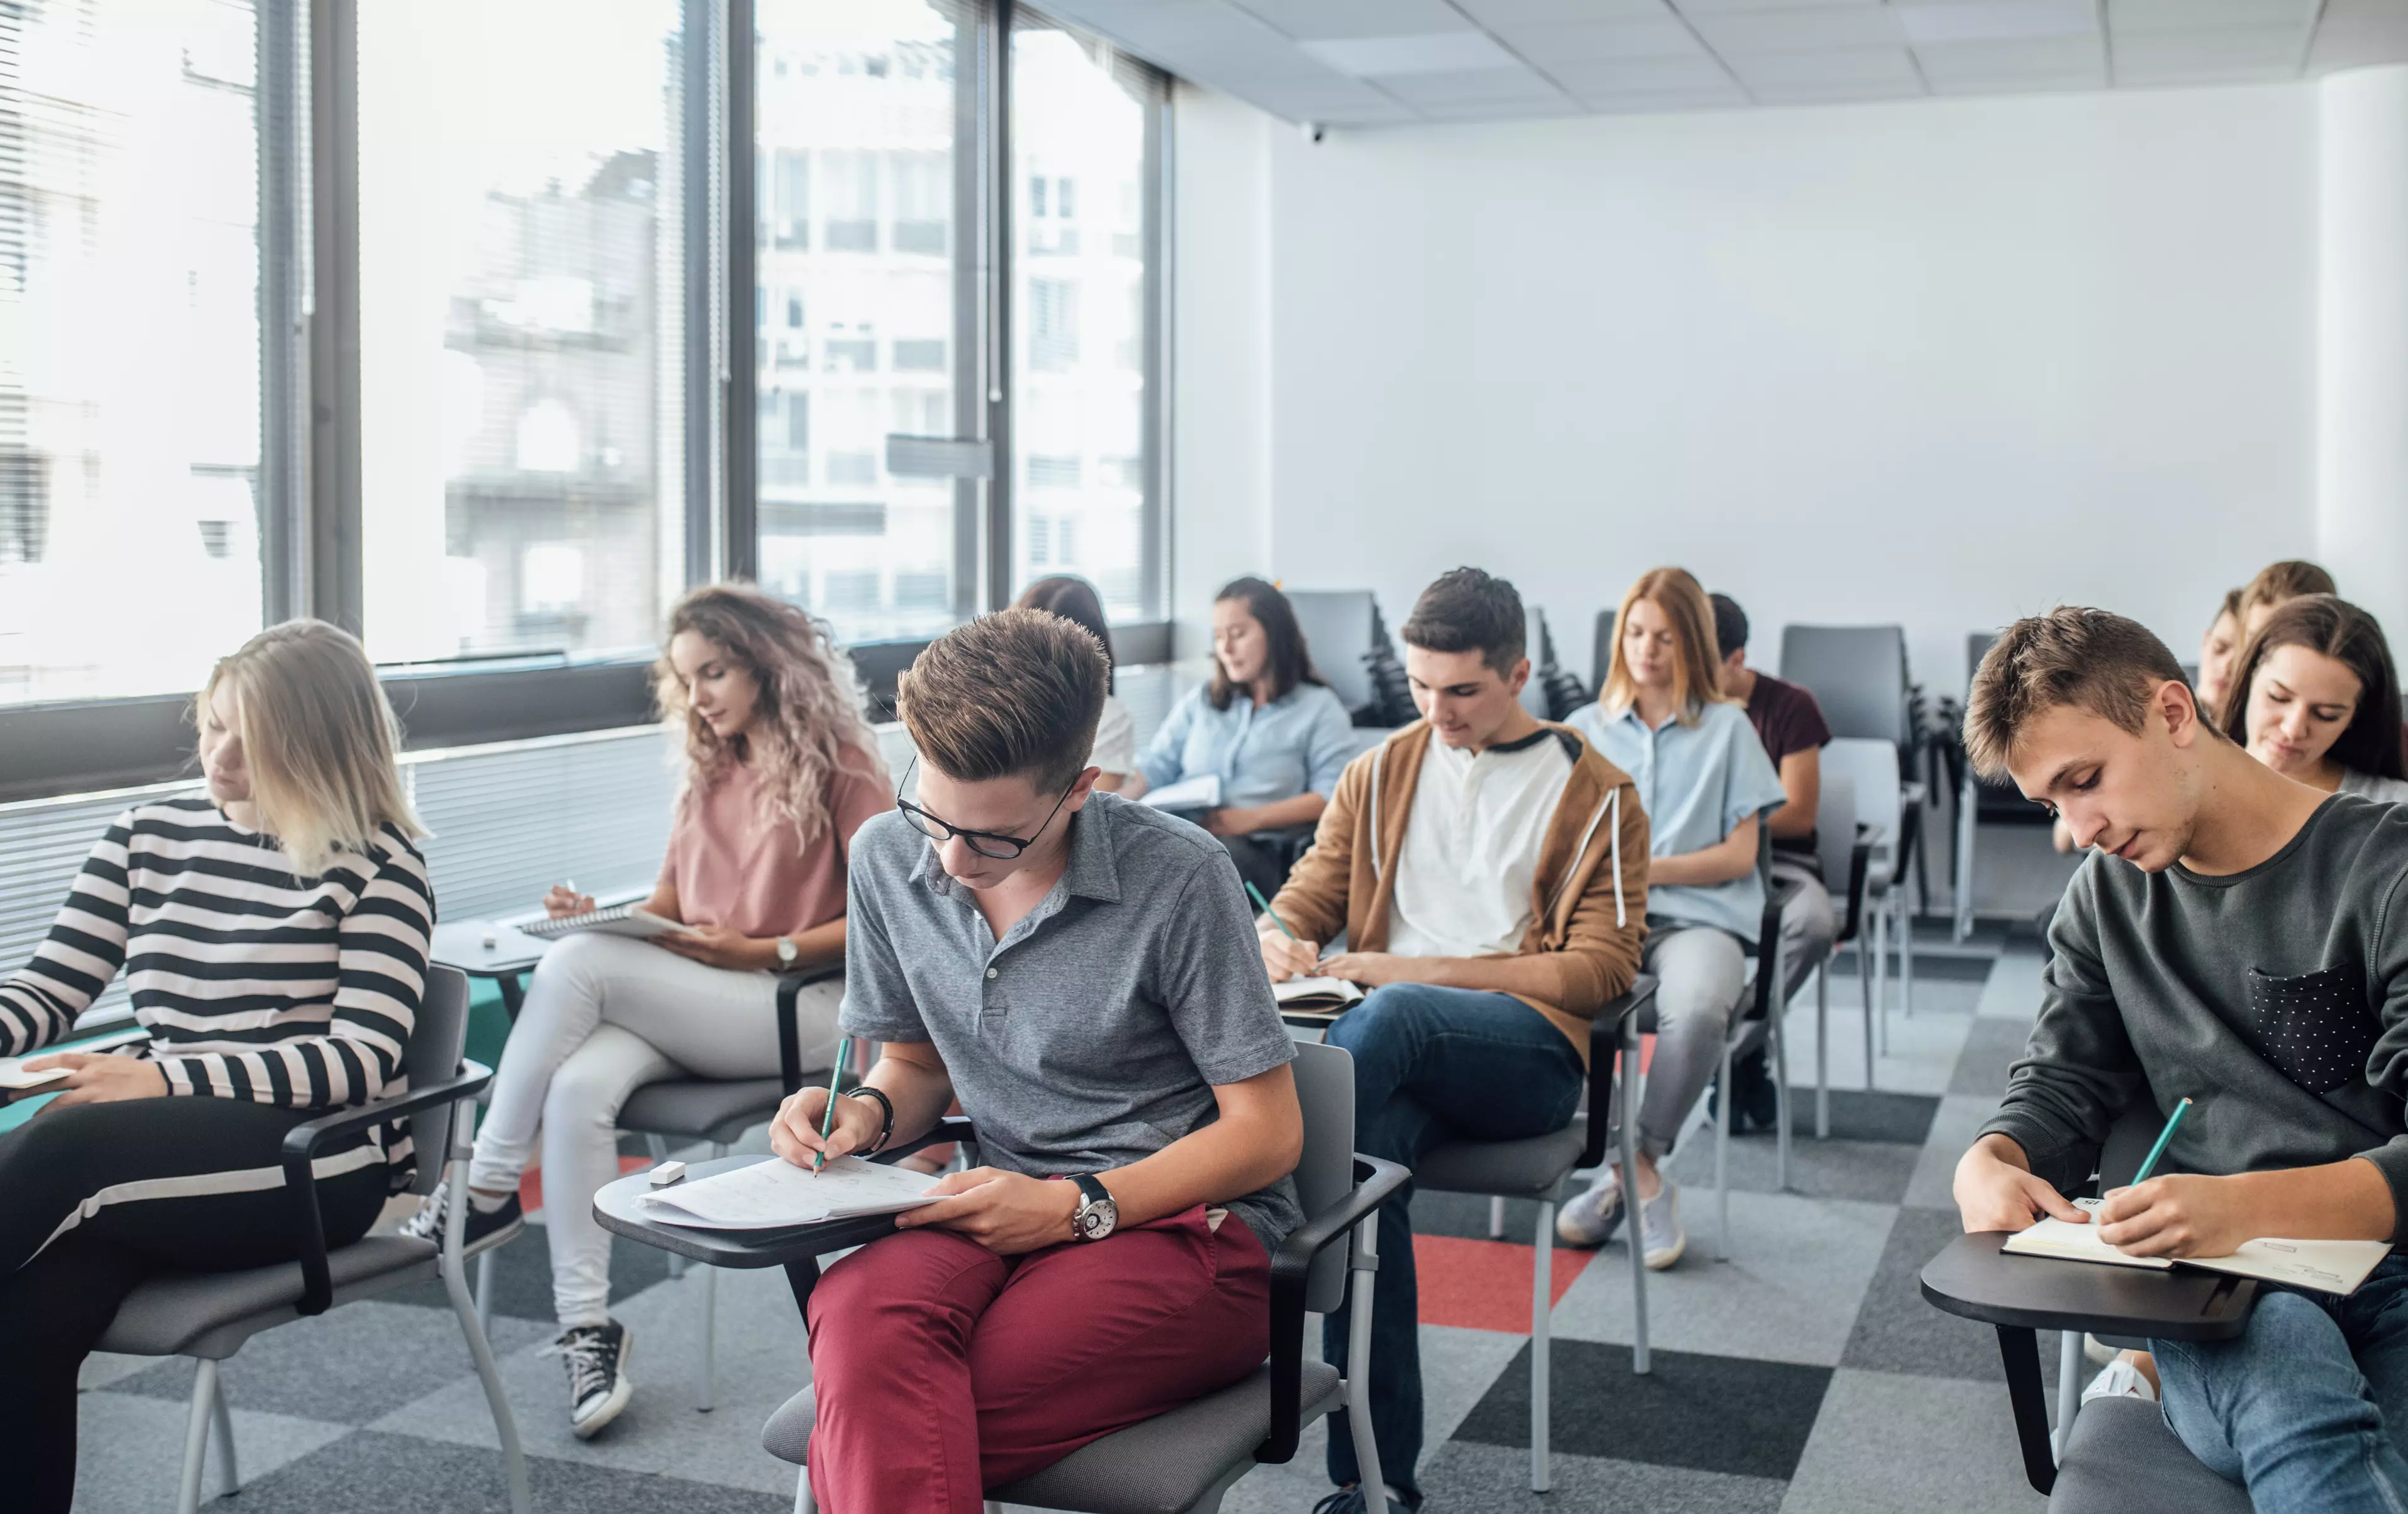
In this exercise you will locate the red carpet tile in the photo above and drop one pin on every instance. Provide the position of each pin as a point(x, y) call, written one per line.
point(531, 1192)
point(1485, 1285)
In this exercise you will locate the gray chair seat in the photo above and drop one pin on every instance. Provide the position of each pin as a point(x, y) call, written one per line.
point(210, 1314)
point(702, 1109)
point(2123, 1459)
point(1530, 1168)
point(1161, 1466)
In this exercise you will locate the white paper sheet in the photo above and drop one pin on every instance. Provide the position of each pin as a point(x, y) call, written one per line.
point(1202, 792)
point(775, 1194)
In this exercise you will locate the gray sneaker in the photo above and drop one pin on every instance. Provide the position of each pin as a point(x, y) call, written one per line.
point(1591, 1219)
point(1660, 1240)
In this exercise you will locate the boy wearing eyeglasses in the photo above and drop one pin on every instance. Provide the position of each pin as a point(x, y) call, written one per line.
point(1080, 972)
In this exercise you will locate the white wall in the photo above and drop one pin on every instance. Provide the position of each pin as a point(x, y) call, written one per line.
point(2362, 456)
point(1940, 363)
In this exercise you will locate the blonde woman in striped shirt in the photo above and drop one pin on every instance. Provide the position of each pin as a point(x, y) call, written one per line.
point(273, 935)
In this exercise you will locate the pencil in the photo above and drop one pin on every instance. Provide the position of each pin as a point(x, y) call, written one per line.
point(2159, 1150)
point(1265, 905)
point(827, 1118)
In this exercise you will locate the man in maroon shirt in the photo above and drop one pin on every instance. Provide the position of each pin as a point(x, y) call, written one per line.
point(1791, 726)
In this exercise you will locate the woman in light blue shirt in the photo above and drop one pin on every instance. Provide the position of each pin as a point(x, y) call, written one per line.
point(1706, 784)
point(1267, 727)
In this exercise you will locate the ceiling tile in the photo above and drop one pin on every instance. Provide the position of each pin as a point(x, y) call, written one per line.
point(1957, 61)
point(1865, 65)
point(2084, 80)
point(1346, 102)
point(2354, 41)
point(1630, 75)
point(1516, 83)
point(1547, 46)
point(1851, 91)
point(1166, 32)
point(1726, 97)
point(1434, 53)
point(1471, 110)
point(1313, 19)
point(2184, 15)
point(1716, 7)
point(2220, 53)
point(1548, 12)
point(1997, 21)
point(1800, 31)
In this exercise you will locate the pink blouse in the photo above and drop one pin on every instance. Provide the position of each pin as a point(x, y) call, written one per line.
point(731, 866)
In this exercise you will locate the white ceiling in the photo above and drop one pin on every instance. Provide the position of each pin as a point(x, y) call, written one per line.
point(1375, 62)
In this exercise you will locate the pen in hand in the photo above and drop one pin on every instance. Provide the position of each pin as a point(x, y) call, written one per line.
point(828, 1117)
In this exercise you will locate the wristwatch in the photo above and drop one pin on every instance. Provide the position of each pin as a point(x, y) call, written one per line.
point(1096, 1214)
point(787, 951)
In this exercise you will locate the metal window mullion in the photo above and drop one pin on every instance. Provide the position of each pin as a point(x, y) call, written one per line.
point(999, 395)
point(697, 126)
point(282, 491)
point(335, 589)
point(1154, 535)
point(741, 505)
point(972, 277)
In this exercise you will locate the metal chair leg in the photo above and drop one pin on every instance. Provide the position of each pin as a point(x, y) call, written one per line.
point(196, 1437)
point(222, 1422)
point(1865, 987)
point(1781, 1103)
point(485, 1289)
point(481, 1351)
point(706, 1398)
point(1722, 1166)
point(2069, 1388)
point(803, 1502)
point(1542, 1298)
point(1822, 1050)
point(1966, 802)
point(1629, 1211)
point(1366, 1267)
point(1905, 951)
point(1497, 1216)
point(1881, 970)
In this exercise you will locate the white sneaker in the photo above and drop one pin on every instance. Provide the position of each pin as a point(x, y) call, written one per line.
point(1660, 1238)
point(2121, 1379)
point(2098, 1351)
point(1592, 1217)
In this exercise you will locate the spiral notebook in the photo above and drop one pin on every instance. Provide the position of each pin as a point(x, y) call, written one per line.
point(618, 921)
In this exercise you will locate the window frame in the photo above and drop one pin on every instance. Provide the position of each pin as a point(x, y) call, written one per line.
point(309, 479)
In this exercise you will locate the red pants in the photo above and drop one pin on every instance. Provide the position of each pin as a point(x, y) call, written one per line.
point(944, 1370)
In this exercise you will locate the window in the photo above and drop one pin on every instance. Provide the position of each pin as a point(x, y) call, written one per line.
point(1084, 399)
point(871, 96)
point(521, 324)
point(130, 408)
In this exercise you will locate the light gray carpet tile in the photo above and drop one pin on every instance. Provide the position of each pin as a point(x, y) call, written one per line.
point(130, 1450)
point(1886, 1444)
point(1469, 1478)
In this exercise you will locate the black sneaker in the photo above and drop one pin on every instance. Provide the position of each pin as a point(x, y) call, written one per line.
point(596, 1359)
point(1758, 1103)
point(486, 1227)
point(1350, 1500)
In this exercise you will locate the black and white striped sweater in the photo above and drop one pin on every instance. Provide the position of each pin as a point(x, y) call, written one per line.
point(255, 984)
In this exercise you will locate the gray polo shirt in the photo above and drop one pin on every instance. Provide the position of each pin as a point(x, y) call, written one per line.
point(1092, 1034)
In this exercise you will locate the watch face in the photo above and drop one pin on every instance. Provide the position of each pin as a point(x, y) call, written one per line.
point(1094, 1220)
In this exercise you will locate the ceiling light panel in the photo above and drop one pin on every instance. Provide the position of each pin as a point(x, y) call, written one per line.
point(1547, 46)
point(1997, 21)
point(1314, 20)
point(1801, 31)
point(1433, 52)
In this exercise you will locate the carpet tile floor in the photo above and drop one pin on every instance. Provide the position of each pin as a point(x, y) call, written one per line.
point(1803, 1374)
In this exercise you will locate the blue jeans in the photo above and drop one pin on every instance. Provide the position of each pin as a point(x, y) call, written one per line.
point(1432, 1065)
point(2305, 1405)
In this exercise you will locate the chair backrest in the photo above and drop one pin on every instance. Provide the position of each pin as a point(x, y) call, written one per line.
point(1835, 831)
point(1872, 768)
point(1325, 1087)
point(1857, 673)
point(1336, 625)
point(436, 1045)
point(1602, 649)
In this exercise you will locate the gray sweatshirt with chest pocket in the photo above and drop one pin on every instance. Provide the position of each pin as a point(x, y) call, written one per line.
point(2275, 999)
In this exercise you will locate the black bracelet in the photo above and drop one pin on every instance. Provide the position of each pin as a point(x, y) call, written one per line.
point(886, 1126)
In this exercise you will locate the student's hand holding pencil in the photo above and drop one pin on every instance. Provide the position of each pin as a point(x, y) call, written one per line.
point(1285, 958)
point(795, 1135)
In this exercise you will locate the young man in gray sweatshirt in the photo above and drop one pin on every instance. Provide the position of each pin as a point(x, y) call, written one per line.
point(2242, 940)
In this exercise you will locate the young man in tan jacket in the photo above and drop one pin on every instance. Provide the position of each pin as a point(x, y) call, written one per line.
point(1490, 873)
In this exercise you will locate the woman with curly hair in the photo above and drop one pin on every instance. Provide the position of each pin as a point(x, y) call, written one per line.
point(782, 768)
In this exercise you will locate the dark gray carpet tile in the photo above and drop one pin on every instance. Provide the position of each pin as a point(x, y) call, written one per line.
point(1748, 1419)
point(1928, 966)
point(1898, 1331)
point(1861, 1115)
point(1991, 1049)
point(401, 1473)
point(523, 1276)
point(349, 1366)
point(1462, 1477)
point(1875, 1172)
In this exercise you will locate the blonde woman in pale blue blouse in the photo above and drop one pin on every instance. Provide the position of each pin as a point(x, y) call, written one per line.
point(1267, 725)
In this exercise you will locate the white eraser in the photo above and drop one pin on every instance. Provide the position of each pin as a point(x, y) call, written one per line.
point(667, 1172)
point(492, 938)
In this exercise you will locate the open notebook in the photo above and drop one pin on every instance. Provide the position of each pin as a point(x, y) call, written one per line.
point(617, 920)
point(2325, 1266)
point(1318, 997)
point(1202, 792)
point(777, 1194)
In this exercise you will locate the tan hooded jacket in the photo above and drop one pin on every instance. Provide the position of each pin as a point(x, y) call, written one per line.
point(1589, 900)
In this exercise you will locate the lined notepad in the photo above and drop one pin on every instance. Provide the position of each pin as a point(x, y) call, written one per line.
point(2325, 1266)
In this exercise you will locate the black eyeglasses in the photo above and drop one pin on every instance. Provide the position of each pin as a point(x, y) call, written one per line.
point(987, 843)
